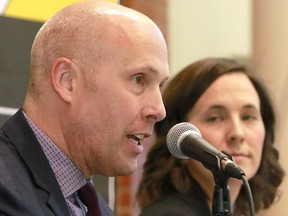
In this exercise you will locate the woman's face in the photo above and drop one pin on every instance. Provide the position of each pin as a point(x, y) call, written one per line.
point(228, 116)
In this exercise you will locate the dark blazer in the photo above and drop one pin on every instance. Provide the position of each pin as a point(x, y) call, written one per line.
point(28, 185)
point(176, 204)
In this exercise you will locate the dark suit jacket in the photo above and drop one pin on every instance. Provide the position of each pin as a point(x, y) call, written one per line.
point(175, 204)
point(28, 185)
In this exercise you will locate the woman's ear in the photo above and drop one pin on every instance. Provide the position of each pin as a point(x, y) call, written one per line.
point(62, 78)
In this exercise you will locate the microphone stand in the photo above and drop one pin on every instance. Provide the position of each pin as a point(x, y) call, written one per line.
point(221, 205)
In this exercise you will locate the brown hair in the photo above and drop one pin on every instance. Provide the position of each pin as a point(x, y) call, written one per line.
point(163, 172)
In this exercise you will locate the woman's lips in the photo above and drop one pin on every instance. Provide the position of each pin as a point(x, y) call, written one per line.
point(239, 156)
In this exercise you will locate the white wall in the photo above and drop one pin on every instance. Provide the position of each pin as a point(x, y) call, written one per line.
point(202, 28)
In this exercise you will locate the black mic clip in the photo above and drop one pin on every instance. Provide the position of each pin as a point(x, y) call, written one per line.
point(222, 164)
point(230, 168)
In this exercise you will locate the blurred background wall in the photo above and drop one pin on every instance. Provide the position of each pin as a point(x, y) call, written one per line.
point(251, 31)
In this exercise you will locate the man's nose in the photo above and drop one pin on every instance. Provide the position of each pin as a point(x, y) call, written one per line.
point(155, 110)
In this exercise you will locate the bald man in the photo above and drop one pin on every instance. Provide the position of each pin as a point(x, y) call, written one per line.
point(94, 94)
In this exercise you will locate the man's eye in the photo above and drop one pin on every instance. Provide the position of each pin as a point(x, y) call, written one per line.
point(162, 86)
point(139, 79)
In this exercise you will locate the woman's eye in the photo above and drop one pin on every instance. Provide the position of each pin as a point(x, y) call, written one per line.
point(213, 119)
point(249, 117)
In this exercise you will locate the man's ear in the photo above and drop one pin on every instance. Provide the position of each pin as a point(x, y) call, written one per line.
point(62, 78)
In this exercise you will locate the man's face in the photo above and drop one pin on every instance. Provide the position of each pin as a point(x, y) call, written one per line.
point(118, 106)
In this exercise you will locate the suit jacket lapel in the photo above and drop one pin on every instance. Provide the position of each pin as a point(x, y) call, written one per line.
point(24, 140)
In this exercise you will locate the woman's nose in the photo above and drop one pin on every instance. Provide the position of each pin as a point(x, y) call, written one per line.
point(235, 131)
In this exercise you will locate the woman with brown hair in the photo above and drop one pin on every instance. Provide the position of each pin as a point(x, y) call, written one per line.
point(233, 111)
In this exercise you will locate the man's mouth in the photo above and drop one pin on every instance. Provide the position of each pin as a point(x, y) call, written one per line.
point(137, 138)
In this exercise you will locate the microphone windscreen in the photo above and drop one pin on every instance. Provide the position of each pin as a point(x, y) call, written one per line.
point(173, 137)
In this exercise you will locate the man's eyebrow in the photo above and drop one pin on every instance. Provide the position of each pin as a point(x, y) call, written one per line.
point(152, 70)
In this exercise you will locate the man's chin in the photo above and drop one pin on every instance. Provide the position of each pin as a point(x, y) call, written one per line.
point(128, 170)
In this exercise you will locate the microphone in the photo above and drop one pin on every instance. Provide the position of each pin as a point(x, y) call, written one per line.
point(184, 141)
